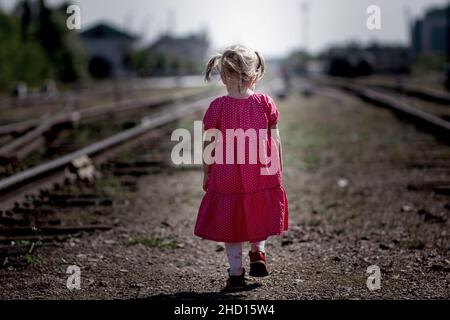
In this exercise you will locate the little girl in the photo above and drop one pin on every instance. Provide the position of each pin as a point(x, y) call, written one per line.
point(241, 202)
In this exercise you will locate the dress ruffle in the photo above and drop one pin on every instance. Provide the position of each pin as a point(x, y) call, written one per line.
point(238, 217)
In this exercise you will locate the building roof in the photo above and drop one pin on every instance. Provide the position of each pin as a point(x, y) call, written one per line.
point(104, 30)
point(437, 13)
point(192, 39)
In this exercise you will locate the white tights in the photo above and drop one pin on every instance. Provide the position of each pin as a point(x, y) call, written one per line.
point(234, 254)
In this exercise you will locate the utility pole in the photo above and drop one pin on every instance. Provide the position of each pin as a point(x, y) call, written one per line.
point(447, 35)
point(408, 24)
point(304, 8)
point(128, 21)
point(171, 20)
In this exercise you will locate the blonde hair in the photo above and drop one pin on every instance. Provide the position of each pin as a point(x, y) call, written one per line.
point(237, 62)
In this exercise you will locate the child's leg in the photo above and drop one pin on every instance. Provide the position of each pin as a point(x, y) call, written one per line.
point(234, 254)
point(258, 246)
point(258, 267)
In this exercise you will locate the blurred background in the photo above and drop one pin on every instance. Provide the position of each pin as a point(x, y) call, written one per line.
point(139, 38)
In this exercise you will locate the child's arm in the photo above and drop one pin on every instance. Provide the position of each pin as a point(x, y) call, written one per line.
point(278, 141)
point(206, 166)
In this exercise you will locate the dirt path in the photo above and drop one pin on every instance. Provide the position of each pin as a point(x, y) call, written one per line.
point(347, 170)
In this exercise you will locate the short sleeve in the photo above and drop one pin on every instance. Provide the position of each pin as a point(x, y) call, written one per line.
point(211, 117)
point(273, 115)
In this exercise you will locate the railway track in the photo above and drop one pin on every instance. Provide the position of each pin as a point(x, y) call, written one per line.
point(424, 104)
point(115, 89)
point(424, 94)
point(37, 134)
point(169, 114)
point(427, 112)
point(428, 116)
point(79, 192)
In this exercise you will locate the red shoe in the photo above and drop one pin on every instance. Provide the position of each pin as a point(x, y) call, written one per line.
point(235, 283)
point(258, 267)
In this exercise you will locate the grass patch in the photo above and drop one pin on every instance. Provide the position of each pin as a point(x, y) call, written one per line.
point(87, 132)
point(32, 159)
point(156, 242)
point(311, 160)
point(304, 146)
point(110, 185)
point(305, 142)
point(314, 222)
point(22, 242)
point(31, 259)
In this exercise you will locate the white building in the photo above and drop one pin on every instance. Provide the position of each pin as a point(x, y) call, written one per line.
point(107, 48)
point(193, 47)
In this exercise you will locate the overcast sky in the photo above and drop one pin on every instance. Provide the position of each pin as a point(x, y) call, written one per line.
point(272, 26)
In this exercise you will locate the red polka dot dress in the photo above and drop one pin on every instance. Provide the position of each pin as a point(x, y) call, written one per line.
point(241, 204)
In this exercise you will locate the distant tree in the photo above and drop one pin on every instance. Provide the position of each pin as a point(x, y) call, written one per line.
point(146, 62)
point(20, 60)
point(341, 67)
point(37, 48)
point(25, 19)
point(61, 45)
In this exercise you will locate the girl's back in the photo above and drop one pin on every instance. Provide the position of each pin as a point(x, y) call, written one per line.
point(255, 112)
point(239, 119)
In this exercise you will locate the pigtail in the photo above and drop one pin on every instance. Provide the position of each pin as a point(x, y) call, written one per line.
point(212, 63)
point(261, 67)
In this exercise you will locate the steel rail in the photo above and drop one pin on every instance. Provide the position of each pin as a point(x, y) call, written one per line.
point(156, 120)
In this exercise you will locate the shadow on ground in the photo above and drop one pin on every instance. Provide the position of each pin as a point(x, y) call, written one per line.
point(191, 295)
